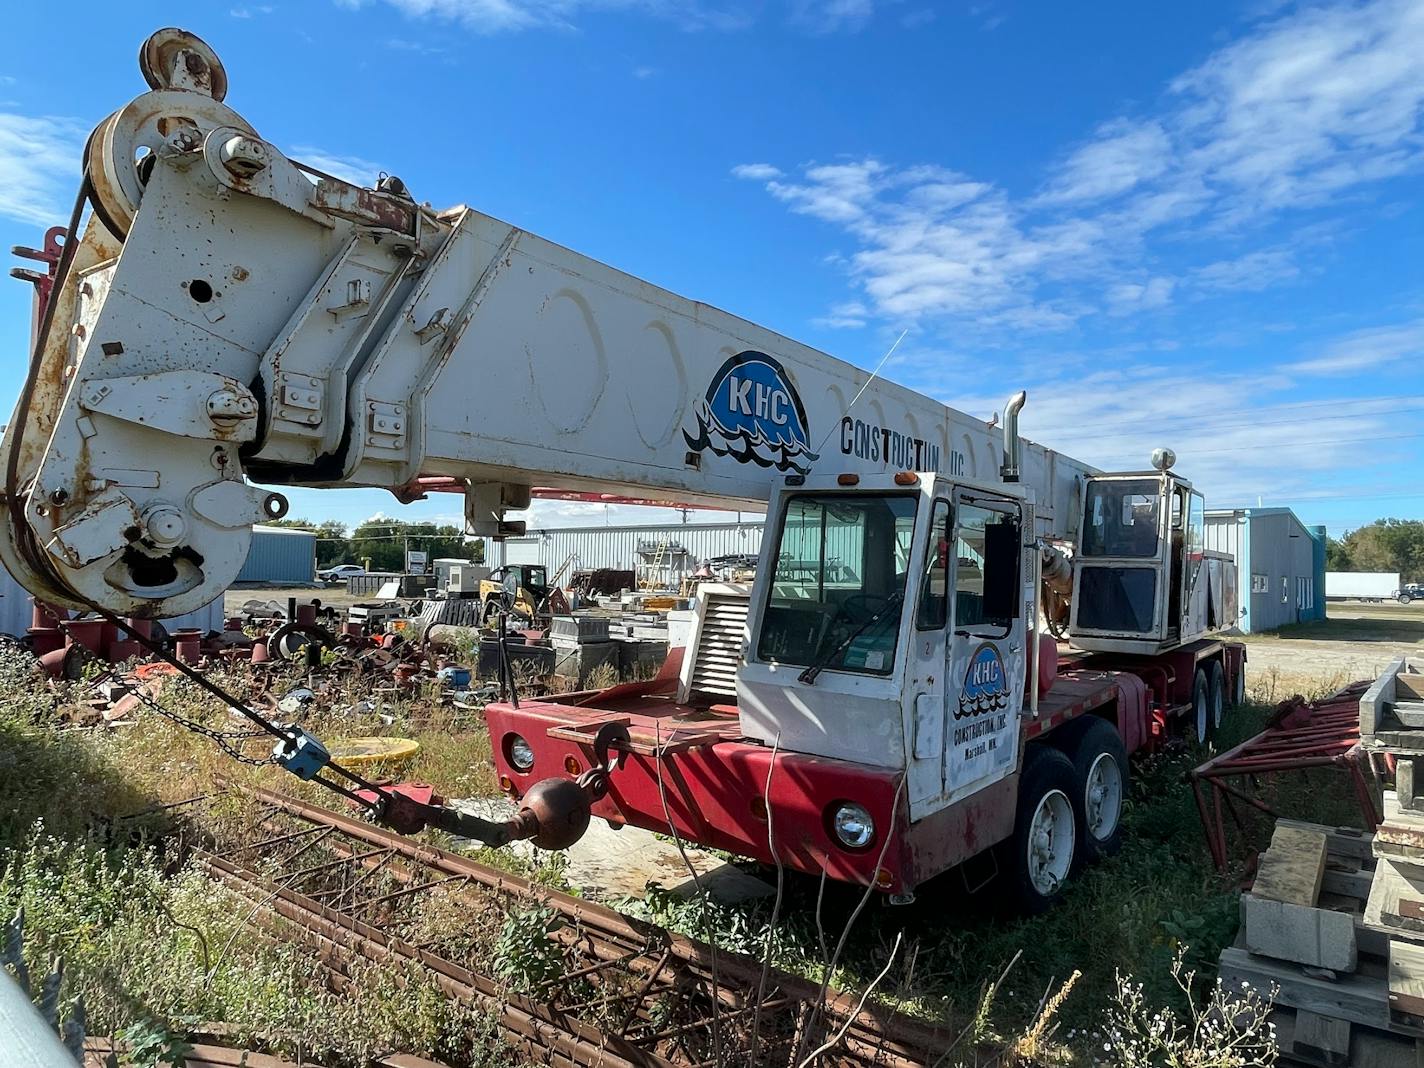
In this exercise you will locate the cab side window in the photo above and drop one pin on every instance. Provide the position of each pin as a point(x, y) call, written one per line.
point(933, 610)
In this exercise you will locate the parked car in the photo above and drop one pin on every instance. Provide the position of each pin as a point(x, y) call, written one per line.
point(340, 572)
point(1410, 591)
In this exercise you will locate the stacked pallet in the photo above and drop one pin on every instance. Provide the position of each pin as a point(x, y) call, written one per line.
point(1334, 922)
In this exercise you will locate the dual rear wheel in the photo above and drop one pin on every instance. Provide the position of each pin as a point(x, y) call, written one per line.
point(1210, 698)
point(1071, 795)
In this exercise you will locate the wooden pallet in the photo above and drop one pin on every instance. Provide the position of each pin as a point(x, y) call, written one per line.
point(1307, 1038)
point(1326, 1018)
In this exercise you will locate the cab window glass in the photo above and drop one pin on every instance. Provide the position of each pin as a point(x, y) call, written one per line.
point(979, 553)
point(1122, 518)
point(934, 589)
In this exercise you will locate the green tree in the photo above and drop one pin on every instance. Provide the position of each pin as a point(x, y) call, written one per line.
point(1386, 545)
point(384, 542)
point(1337, 555)
point(331, 543)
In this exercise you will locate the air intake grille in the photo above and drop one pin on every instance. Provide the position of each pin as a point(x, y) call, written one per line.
point(719, 647)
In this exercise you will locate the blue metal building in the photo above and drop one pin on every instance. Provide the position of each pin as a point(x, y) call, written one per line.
point(280, 555)
point(1280, 564)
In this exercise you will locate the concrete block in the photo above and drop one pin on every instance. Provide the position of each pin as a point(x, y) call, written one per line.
point(1375, 705)
point(1404, 785)
point(1292, 868)
point(1317, 938)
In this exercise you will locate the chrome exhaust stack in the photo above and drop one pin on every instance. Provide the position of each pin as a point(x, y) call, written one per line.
point(1009, 470)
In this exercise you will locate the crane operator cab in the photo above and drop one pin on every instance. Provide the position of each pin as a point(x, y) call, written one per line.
point(1143, 579)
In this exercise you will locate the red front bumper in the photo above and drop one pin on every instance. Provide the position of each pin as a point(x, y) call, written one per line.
point(714, 785)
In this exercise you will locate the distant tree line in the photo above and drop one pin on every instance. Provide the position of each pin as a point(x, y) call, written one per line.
point(1384, 545)
point(380, 544)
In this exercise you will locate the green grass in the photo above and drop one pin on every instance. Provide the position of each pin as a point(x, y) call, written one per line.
point(155, 948)
point(1126, 915)
point(152, 945)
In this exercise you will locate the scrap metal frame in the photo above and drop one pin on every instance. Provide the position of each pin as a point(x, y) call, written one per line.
point(1330, 738)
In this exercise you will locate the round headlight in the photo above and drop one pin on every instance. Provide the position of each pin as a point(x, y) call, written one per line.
point(853, 825)
point(520, 755)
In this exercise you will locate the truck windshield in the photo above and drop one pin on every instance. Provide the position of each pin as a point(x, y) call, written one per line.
point(1122, 518)
point(840, 559)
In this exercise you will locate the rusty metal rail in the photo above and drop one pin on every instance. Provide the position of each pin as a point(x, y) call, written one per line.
point(623, 993)
point(1324, 734)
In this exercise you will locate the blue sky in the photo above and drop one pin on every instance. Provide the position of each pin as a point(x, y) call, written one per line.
point(1196, 225)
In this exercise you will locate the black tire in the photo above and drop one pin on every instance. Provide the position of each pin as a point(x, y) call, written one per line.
point(1216, 694)
point(1048, 779)
point(1088, 742)
point(1238, 685)
point(1404, 598)
point(1201, 708)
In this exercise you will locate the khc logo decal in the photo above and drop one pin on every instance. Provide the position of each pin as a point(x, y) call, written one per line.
point(986, 688)
point(753, 414)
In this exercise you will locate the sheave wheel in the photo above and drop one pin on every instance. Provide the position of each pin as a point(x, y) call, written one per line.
point(1045, 829)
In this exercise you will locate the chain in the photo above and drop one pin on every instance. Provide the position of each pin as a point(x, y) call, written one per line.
point(223, 739)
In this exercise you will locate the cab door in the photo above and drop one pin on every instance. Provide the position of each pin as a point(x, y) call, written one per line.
point(926, 682)
point(985, 682)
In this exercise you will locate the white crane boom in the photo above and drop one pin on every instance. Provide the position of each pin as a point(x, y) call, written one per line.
point(229, 315)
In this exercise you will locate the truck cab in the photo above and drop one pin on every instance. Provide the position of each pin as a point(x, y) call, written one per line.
point(888, 626)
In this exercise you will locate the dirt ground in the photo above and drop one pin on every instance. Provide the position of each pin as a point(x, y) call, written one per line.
point(1354, 641)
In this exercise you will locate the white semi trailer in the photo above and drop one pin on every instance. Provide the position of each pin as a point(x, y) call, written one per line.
point(229, 320)
point(1361, 585)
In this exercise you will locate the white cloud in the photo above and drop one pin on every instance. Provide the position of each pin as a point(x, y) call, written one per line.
point(848, 316)
point(1121, 156)
point(353, 169)
point(832, 16)
point(39, 167)
point(506, 16)
point(1314, 104)
point(1369, 350)
point(1251, 272)
point(756, 172)
point(1128, 297)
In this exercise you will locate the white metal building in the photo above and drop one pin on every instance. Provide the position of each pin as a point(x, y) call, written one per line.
point(666, 553)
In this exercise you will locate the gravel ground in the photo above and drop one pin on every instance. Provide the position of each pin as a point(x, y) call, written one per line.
point(1355, 641)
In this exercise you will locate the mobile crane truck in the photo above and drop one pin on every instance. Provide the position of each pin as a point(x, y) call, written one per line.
point(884, 702)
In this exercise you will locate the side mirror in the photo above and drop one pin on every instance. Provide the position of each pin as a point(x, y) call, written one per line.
point(1002, 548)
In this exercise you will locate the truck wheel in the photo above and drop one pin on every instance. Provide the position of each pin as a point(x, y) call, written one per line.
point(1045, 829)
point(1101, 770)
point(1216, 694)
point(1238, 686)
point(1201, 707)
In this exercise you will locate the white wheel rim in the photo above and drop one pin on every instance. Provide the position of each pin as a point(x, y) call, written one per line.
point(1051, 838)
point(1217, 698)
point(1200, 706)
point(1102, 797)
